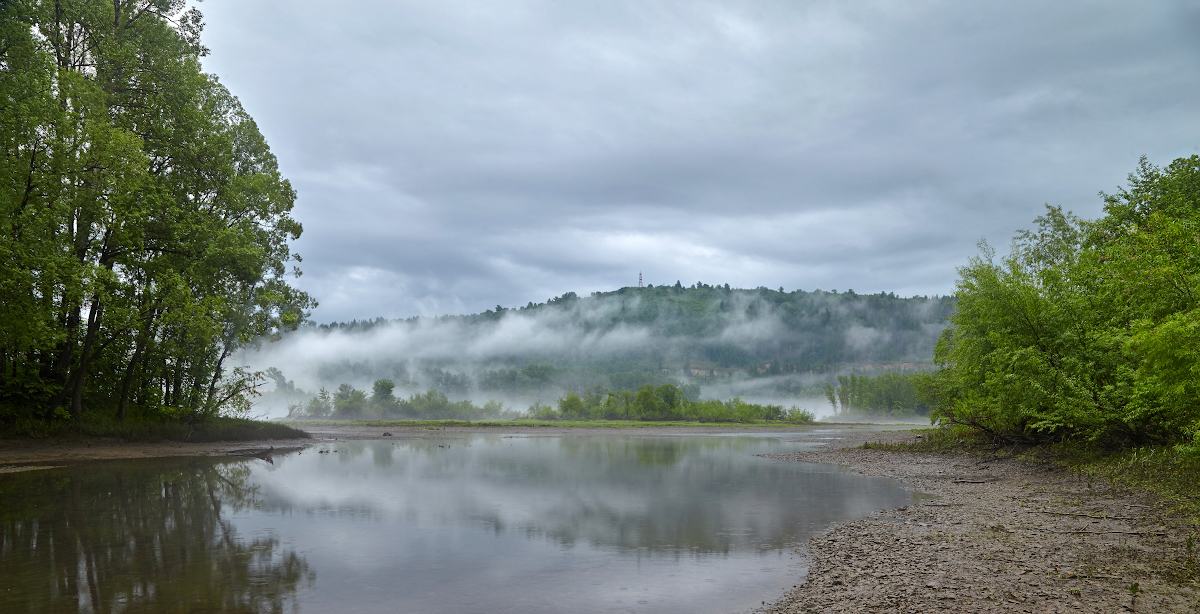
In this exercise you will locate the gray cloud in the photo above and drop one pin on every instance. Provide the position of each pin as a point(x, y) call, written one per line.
point(450, 156)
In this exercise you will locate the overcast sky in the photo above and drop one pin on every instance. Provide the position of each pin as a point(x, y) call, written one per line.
point(454, 155)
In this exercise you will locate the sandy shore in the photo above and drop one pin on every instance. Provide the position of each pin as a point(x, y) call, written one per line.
point(1002, 536)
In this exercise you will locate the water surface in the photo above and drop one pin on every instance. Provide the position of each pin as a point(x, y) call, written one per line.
point(475, 524)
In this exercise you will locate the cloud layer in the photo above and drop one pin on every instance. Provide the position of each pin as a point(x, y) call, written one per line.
point(450, 156)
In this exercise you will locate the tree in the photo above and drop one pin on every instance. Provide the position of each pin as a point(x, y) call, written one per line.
point(1087, 330)
point(349, 402)
point(146, 229)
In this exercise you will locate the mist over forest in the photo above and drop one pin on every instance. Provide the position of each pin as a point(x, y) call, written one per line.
point(712, 341)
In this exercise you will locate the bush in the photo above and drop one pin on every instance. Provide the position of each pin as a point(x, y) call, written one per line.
point(1087, 331)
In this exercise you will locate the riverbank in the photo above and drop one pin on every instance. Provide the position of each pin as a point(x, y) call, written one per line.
point(1002, 535)
point(18, 453)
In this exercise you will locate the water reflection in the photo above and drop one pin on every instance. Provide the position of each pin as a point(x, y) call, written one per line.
point(520, 524)
point(144, 536)
point(481, 524)
point(701, 495)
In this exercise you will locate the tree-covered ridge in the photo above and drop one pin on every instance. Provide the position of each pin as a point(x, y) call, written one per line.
point(1087, 330)
point(705, 329)
point(146, 228)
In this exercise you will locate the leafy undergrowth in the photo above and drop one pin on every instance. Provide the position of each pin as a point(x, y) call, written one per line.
point(626, 424)
point(941, 440)
point(149, 430)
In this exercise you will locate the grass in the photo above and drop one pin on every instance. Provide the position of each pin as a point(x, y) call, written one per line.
point(587, 424)
point(938, 441)
point(216, 429)
point(1170, 473)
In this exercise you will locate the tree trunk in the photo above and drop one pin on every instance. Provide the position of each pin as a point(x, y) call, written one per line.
point(61, 370)
point(139, 349)
point(216, 377)
point(85, 357)
point(128, 379)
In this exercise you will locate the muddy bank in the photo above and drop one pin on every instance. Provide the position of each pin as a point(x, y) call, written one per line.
point(27, 455)
point(1002, 536)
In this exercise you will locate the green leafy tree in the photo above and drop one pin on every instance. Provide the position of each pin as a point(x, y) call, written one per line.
point(1087, 330)
point(145, 230)
point(349, 402)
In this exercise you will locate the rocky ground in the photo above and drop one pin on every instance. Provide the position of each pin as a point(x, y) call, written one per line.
point(1001, 536)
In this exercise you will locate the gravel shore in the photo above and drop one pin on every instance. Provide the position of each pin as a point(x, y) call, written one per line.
point(1000, 536)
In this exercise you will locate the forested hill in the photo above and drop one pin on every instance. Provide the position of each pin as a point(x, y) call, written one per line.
point(700, 332)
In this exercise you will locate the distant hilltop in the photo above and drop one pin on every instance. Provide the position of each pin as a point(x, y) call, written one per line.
point(702, 333)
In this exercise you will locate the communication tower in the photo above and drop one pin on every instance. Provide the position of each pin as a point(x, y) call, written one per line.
point(639, 279)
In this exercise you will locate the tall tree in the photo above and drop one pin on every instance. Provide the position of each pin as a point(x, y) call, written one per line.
point(147, 227)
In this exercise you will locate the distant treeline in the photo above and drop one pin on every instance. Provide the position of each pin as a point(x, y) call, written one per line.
point(665, 402)
point(820, 331)
point(350, 403)
point(890, 394)
point(702, 334)
point(532, 380)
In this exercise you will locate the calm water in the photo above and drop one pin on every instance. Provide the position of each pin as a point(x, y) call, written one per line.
point(480, 524)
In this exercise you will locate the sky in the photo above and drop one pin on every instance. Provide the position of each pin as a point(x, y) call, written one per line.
point(452, 155)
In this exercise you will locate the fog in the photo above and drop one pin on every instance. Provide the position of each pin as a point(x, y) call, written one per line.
point(761, 345)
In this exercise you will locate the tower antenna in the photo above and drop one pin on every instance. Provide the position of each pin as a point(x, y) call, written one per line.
point(639, 279)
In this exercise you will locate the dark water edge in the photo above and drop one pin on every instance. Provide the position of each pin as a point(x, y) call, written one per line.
point(486, 523)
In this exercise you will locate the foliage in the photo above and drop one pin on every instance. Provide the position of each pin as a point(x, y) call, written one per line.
point(665, 402)
point(890, 394)
point(349, 404)
point(144, 225)
point(691, 332)
point(1089, 330)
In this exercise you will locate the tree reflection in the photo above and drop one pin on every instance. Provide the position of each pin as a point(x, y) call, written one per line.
point(139, 536)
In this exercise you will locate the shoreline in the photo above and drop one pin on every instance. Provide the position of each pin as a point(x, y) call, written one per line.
point(23, 454)
point(1002, 535)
